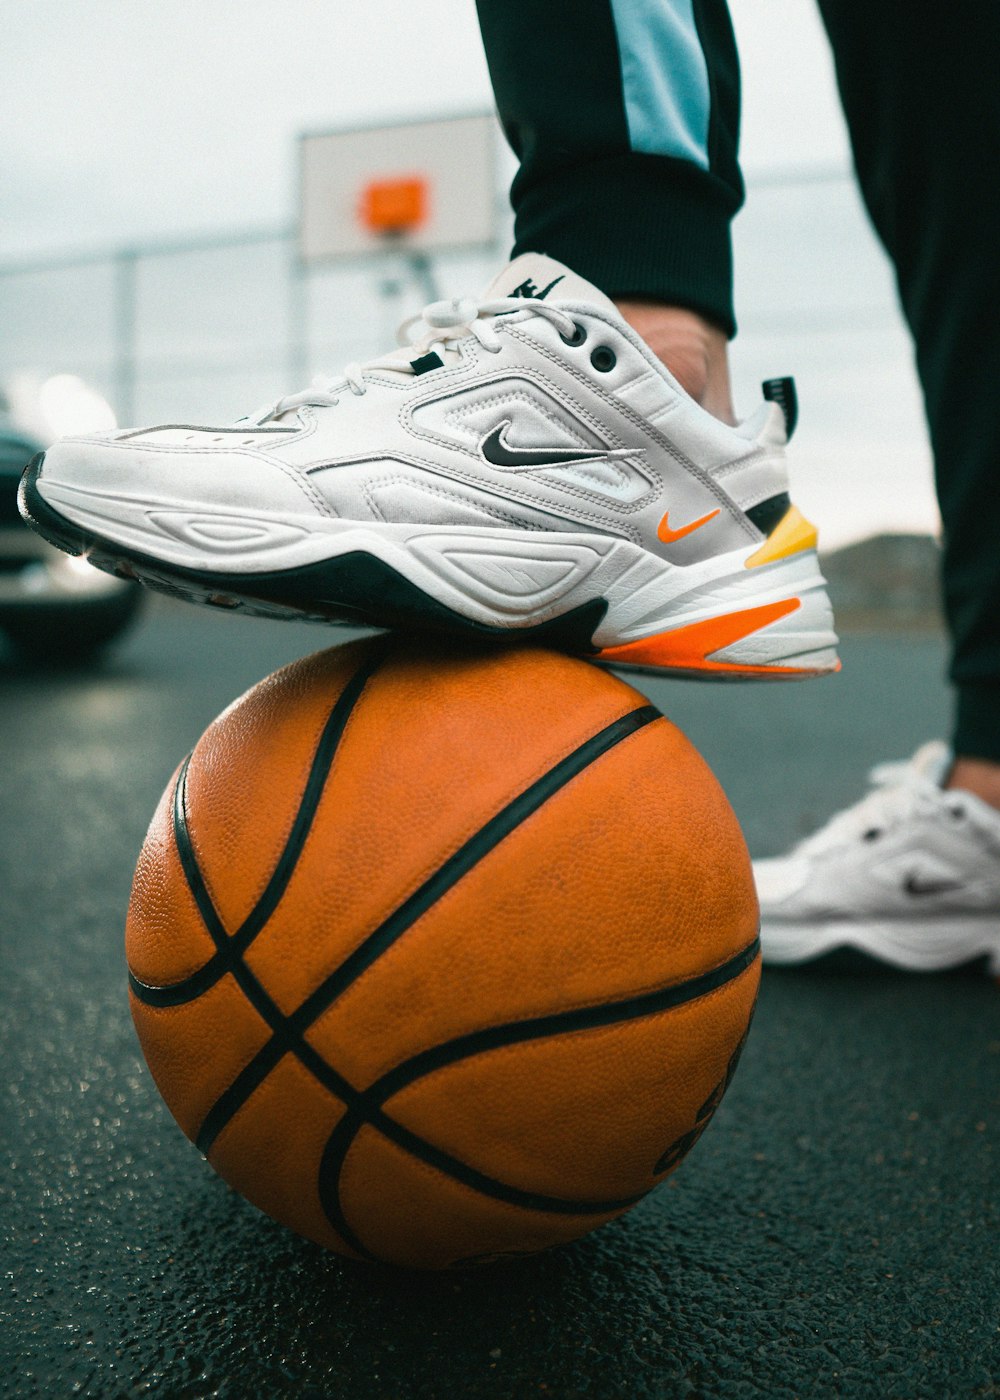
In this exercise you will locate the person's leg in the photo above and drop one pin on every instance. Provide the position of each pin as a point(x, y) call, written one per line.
point(919, 88)
point(911, 875)
point(625, 117)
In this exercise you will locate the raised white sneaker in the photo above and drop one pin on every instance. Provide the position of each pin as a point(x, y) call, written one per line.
point(910, 876)
point(527, 469)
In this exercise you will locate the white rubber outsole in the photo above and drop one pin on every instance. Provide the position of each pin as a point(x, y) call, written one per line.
point(933, 944)
point(505, 580)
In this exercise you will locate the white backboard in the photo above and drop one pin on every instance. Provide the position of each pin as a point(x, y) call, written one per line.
point(440, 178)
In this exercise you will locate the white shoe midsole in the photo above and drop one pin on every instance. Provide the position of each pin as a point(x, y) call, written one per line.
point(499, 577)
point(926, 945)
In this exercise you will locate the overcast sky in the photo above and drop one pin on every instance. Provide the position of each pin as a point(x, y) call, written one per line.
point(123, 120)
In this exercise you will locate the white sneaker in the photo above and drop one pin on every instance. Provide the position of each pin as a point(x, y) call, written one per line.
point(910, 875)
point(528, 469)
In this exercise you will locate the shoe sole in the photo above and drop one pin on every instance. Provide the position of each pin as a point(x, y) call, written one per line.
point(620, 606)
point(931, 945)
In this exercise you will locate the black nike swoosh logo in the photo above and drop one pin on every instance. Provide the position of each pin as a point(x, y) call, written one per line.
point(527, 289)
point(545, 290)
point(496, 450)
point(914, 885)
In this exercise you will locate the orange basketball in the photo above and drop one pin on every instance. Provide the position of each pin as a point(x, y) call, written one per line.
point(442, 957)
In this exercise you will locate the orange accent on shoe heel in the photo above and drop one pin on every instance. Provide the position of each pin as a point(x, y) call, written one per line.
point(688, 648)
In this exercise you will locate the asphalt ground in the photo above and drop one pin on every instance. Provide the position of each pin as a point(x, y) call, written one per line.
point(835, 1233)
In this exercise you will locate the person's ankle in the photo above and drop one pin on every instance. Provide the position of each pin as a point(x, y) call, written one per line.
point(978, 776)
point(694, 351)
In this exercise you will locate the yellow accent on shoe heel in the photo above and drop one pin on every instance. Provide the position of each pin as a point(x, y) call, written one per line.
point(791, 535)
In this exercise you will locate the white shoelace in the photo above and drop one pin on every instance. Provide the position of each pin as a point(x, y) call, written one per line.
point(447, 323)
point(901, 791)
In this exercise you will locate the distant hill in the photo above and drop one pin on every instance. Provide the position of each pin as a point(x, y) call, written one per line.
point(886, 581)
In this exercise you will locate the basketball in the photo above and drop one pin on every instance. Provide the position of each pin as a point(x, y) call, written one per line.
point(442, 957)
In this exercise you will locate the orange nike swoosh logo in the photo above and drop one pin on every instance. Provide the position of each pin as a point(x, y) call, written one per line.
point(668, 536)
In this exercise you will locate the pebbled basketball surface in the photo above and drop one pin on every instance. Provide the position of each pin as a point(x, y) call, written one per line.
point(442, 957)
point(833, 1233)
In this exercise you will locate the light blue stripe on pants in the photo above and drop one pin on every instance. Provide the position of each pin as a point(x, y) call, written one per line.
point(664, 78)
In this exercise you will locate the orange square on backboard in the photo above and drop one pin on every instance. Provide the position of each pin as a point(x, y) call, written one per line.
point(345, 179)
point(394, 206)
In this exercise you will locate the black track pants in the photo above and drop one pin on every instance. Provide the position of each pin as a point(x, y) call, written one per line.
point(625, 117)
point(920, 84)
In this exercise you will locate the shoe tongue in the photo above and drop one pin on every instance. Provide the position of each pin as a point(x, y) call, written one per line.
point(536, 277)
point(932, 761)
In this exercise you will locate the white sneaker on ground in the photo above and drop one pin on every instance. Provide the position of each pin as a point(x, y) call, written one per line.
point(528, 469)
point(910, 876)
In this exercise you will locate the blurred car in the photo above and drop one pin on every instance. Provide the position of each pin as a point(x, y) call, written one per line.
point(54, 608)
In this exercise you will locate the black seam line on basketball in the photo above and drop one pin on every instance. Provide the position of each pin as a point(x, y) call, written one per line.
point(582, 1018)
point(232, 1099)
point(290, 1033)
point(230, 955)
point(328, 1185)
point(479, 1181)
point(367, 1108)
point(282, 1040)
point(254, 1074)
point(469, 855)
point(342, 1139)
point(198, 982)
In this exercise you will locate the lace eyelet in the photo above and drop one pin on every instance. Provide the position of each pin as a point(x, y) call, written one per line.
point(577, 338)
point(872, 834)
point(603, 359)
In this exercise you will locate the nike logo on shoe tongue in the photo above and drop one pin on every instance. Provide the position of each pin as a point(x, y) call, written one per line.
point(528, 288)
point(534, 277)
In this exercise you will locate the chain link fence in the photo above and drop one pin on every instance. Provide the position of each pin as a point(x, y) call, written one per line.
point(205, 328)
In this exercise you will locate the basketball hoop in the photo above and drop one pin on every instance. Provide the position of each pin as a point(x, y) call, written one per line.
point(399, 194)
point(394, 208)
point(413, 186)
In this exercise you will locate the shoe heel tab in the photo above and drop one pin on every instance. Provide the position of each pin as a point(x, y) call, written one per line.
point(783, 392)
